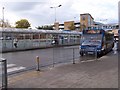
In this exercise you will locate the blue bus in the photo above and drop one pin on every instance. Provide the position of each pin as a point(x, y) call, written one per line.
point(96, 40)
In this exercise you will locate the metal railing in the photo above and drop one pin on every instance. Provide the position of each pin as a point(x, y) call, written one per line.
point(71, 54)
point(52, 57)
point(59, 56)
point(65, 55)
point(3, 73)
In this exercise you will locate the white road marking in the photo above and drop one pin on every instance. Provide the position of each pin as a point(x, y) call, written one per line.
point(89, 60)
point(12, 68)
point(8, 65)
point(15, 69)
point(11, 65)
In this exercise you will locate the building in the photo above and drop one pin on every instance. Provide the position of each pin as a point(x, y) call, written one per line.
point(77, 26)
point(61, 26)
point(56, 25)
point(69, 25)
point(106, 26)
point(86, 20)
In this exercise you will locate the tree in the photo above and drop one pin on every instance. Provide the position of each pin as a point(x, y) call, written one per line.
point(23, 23)
point(46, 27)
point(5, 24)
point(72, 26)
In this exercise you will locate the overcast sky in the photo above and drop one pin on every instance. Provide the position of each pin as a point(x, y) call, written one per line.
point(38, 12)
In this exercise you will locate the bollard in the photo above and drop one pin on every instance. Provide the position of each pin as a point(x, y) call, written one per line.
point(37, 61)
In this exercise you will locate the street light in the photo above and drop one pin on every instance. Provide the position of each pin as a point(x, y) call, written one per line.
point(55, 10)
point(3, 17)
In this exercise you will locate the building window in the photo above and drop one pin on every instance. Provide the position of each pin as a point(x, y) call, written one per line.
point(83, 18)
point(89, 21)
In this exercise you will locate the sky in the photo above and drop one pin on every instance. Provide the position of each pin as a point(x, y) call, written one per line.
point(38, 12)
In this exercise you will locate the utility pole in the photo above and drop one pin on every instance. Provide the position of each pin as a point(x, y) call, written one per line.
point(55, 11)
point(3, 18)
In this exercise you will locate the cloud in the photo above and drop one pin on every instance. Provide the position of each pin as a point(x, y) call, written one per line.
point(39, 12)
point(100, 9)
point(20, 6)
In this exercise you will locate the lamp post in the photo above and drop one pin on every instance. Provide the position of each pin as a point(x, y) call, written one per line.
point(55, 11)
point(3, 17)
point(74, 19)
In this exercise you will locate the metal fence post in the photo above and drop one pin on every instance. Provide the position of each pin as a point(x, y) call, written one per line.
point(4, 74)
point(73, 56)
point(96, 53)
point(86, 53)
point(53, 57)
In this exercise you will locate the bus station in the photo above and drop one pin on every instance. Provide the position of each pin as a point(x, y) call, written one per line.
point(79, 53)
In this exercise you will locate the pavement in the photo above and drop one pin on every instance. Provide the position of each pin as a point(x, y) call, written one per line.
point(101, 73)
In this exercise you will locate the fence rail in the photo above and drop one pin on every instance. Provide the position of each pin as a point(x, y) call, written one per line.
point(65, 55)
point(61, 56)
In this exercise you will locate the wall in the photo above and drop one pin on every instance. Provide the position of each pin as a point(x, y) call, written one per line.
point(68, 24)
point(56, 25)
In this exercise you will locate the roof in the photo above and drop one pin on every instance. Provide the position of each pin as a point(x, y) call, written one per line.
point(11, 30)
point(87, 14)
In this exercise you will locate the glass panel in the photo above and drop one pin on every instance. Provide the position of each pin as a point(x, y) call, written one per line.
point(94, 38)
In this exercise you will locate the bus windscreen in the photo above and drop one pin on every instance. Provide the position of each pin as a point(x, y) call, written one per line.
point(91, 38)
point(92, 31)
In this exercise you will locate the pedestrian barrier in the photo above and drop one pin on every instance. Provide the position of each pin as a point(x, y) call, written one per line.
point(59, 55)
point(51, 57)
point(3, 73)
point(65, 55)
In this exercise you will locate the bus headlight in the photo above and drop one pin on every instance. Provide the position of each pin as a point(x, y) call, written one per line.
point(98, 50)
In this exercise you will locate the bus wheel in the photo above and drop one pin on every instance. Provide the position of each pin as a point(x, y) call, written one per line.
point(100, 54)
